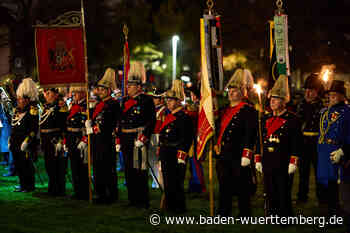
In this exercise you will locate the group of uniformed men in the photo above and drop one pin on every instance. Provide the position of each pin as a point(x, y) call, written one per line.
point(146, 131)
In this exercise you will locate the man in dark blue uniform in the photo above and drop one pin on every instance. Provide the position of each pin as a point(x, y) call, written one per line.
point(76, 143)
point(176, 137)
point(309, 111)
point(281, 135)
point(103, 123)
point(235, 145)
point(334, 149)
point(52, 126)
point(23, 140)
point(137, 123)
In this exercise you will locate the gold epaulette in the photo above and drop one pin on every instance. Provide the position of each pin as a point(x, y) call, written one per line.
point(33, 110)
point(64, 109)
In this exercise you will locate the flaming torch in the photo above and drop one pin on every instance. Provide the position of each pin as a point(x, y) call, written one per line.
point(259, 91)
point(325, 76)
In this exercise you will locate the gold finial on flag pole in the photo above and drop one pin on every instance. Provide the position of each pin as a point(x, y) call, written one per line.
point(126, 31)
point(280, 9)
point(210, 4)
point(279, 4)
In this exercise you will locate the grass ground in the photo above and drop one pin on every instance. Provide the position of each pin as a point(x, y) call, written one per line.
point(38, 213)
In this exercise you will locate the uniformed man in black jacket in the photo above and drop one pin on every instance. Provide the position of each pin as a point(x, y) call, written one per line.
point(136, 126)
point(175, 137)
point(103, 123)
point(281, 136)
point(309, 112)
point(76, 143)
point(234, 147)
point(52, 126)
point(23, 139)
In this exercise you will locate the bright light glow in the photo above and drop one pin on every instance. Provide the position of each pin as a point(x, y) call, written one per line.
point(325, 76)
point(185, 78)
point(174, 42)
point(164, 66)
point(258, 89)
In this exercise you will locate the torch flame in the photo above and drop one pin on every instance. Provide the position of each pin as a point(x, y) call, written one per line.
point(258, 89)
point(325, 76)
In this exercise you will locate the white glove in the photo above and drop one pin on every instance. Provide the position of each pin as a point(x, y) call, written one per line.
point(82, 145)
point(138, 143)
point(156, 139)
point(245, 162)
point(88, 125)
point(336, 155)
point(24, 145)
point(65, 148)
point(258, 167)
point(181, 161)
point(84, 155)
point(58, 148)
point(291, 168)
point(117, 147)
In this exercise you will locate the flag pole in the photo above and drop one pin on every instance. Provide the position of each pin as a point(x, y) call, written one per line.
point(211, 186)
point(87, 97)
point(126, 58)
point(210, 4)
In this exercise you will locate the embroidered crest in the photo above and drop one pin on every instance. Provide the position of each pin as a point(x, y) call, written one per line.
point(335, 116)
point(60, 58)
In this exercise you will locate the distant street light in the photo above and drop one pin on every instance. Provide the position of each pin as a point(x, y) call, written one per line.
point(174, 42)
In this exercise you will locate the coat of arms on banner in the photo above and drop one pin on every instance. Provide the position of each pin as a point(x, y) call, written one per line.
point(60, 58)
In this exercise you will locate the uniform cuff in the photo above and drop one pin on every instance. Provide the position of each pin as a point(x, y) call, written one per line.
point(181, 155)
point(294, 160)
point(257, 158)
point(247, 153)
point(84, 139)
point(96, 129)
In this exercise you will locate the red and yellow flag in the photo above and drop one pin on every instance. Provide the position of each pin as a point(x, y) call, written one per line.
point(206, 124)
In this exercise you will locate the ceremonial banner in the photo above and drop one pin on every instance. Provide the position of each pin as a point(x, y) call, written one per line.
point(206, 125)
point(281, 44)
point(278, 47)
point(60, 56)
point(213, 49)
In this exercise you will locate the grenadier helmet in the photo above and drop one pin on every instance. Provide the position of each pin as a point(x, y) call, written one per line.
point(28, 89)
point(242, 79)
point(177, 90)
point(137, 73)
point(280, 89)
point(108, 80)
